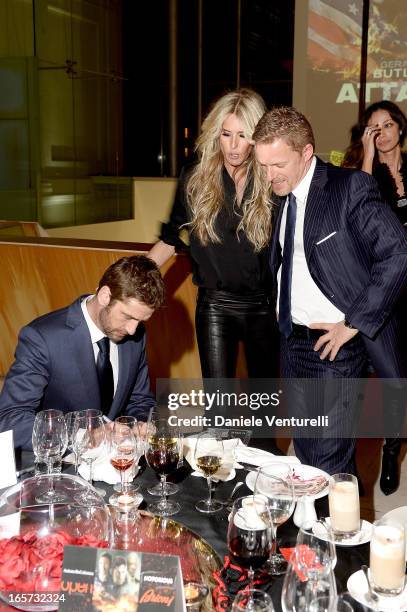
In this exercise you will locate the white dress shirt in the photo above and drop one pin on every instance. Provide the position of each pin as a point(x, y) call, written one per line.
point(308, 303)
point(95, 335)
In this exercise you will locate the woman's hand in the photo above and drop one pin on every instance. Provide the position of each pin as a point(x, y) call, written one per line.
point(369, 147)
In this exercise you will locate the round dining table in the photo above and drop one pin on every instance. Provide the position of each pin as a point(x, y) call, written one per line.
point(213, 527)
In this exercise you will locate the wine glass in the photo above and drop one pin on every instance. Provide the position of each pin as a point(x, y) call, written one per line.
point(298, 591)
point(253, 600)
point(324, 603)
point(209, 453)
point(316, 553)
point(90, 438)
point(133, 472)
point(274, 481)
point(162, 454)
point(49, 441)
point(123, 456)
point(72, 445)
point(316, 556)
point(249, 538)
point(170, 488)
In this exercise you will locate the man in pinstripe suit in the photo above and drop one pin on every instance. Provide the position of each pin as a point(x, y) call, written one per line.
point(339, 256)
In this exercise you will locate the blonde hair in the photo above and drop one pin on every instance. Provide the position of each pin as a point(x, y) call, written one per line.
point(205, 191)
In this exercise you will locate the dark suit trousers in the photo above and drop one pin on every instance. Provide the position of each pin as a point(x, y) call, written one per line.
point(331, 390)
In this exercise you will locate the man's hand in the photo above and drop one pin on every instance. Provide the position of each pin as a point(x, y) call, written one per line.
point(337, 335)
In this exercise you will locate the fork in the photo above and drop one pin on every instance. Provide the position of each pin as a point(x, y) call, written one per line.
point(371, 596)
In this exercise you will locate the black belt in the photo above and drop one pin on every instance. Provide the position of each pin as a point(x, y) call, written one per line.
point(305, 333)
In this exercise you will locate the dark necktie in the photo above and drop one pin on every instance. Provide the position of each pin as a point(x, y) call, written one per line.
point(284, 310)
point(105, 374)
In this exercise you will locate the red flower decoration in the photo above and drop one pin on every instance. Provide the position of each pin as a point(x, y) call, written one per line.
point(31, 563)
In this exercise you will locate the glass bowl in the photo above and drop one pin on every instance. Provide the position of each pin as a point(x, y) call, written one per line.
point(32, 537)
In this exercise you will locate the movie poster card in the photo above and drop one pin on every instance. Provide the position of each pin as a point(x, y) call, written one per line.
point(105, 580)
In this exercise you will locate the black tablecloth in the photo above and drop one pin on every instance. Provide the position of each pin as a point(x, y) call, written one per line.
point(213, 527)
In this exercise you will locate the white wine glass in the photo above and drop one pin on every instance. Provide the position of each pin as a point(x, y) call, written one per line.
point(274, 481)
point(49, 441)
point(209, 453)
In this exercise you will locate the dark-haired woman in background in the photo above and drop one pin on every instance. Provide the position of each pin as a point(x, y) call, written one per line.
point(376, 148)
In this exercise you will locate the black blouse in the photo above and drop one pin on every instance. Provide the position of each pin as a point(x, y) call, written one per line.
point(231, 265)
point(388, 188)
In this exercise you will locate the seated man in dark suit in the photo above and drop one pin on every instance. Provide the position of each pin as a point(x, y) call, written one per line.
point(90, 354)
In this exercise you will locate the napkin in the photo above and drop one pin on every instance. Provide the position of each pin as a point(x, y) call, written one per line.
point(102, 469)
point(259, 457)
point(226, 471)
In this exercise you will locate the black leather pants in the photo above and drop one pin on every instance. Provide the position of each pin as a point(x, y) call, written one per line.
point(222, 320)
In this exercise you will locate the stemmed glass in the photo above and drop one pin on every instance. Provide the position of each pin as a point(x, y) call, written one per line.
point(316, 557)
point(124, 450)
point(72, 442)
point(133, 472)
point(170, 488)
point(209, 453)
point(90, 438)
point(274, 481)
point(249, 537)
point(299, 591)
point(162, 454)
point(253, 600)
point(49, 440)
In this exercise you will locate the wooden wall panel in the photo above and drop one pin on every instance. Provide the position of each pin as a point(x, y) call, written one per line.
point(37, 277)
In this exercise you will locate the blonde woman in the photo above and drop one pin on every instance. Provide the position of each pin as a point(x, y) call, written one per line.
point(226, 208)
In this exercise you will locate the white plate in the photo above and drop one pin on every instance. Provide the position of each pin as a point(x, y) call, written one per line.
point(357, 587)
point(361, 537)
point(304, 471)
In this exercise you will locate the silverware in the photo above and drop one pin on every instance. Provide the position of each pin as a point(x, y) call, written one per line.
point(249, 467)
point(371, 596)
point(228, 501)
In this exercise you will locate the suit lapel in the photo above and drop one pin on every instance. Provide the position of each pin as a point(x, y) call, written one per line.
point(315, 207)
point(81, 354)
point(275, 251)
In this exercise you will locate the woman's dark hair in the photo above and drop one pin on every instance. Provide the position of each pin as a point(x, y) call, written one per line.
point(354, 153)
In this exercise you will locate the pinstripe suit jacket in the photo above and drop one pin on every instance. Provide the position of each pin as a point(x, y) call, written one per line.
point(362, 267)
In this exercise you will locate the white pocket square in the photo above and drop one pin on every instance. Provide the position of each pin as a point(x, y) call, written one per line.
point(326, 238)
